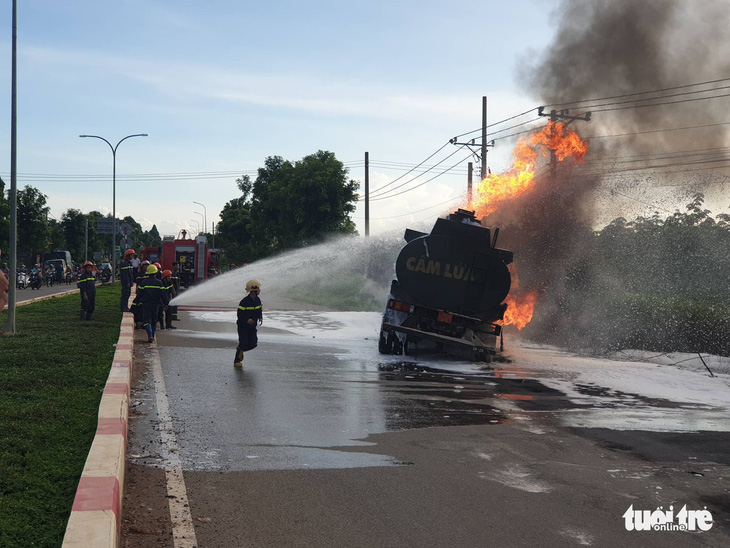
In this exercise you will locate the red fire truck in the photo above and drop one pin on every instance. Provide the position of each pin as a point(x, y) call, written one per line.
point(197, 261)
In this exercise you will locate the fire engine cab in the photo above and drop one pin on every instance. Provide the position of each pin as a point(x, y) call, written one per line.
point(197, 261)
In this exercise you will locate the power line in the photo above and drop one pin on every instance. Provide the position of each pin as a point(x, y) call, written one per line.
point(657, 130)
point(383, 195)
point(414, 212)
point(398, 178)
point(424, 182)
point(639, 93)
point(665, 103)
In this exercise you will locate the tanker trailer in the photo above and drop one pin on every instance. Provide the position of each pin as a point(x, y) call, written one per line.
point(448, 290)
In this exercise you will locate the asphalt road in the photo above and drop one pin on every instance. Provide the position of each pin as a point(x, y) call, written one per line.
point(28, 293)
point(320, 441)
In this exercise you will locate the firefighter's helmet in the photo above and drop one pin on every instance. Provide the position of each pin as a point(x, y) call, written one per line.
point(88, 263)
point(166, 273)
point(151, 269)
point(129, 252)
point(253, 284)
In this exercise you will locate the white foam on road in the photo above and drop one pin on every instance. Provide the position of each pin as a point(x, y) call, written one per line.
point(611, 392)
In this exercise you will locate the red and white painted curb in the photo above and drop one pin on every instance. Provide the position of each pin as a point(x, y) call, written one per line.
point(95, 519)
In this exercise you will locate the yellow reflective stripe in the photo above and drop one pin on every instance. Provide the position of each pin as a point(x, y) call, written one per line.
point(87, 280)
point(151, 286)
point(249, 307)
point(127, 267)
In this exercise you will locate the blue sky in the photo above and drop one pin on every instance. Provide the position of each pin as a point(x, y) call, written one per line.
point(221, 85)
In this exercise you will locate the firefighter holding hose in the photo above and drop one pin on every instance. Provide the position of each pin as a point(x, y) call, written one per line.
point(249, 312)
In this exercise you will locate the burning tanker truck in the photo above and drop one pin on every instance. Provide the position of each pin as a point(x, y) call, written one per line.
point(449, 290)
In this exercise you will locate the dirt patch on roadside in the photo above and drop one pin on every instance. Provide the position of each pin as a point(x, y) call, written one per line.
point(145, 512)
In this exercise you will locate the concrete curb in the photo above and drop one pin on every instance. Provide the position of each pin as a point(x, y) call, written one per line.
point(97, 509)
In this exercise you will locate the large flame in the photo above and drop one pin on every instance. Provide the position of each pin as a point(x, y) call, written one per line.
point(520, 304)
point(520, 177)
point(497, 189)
point(519, 309)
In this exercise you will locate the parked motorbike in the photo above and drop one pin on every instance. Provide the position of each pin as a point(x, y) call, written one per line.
point(22, 280)
point(106, 275)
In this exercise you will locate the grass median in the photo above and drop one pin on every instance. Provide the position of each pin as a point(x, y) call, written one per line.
point(52, 373)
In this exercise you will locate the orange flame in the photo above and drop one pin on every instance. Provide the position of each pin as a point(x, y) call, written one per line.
point(520, 177)
point(520, 305)
point(519, 309)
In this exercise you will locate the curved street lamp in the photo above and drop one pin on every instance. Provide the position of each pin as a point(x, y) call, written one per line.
point(205, 219)
point(197, 226)
point(114, 194)
point(202, 219)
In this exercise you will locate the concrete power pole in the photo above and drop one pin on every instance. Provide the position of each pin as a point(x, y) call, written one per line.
point(469, 184)
point(367, 194)
point(483, 173)
point(478, 149)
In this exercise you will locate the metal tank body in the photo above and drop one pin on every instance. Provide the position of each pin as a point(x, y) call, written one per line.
point(449, 289)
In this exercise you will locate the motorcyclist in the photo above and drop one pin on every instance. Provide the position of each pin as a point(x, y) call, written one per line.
point(50, 274)
point(36, 276)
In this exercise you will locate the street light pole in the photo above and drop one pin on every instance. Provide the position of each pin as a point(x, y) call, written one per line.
point(114, 195)
point(202, 219)
point(13, 194)
point(197, 225)
point(205, 219)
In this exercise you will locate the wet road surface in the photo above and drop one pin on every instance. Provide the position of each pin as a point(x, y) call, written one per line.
point(321, 441)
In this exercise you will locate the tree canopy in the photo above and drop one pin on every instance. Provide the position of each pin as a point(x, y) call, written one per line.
point(38, 234)
point(290, 204)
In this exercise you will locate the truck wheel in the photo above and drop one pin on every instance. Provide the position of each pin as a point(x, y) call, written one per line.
point(383, 347)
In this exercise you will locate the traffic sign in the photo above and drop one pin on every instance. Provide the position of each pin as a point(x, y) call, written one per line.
point(105, 226)
point(126, 243)
point(125, 229)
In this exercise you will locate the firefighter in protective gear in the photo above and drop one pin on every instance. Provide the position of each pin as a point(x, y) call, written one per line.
point(165, 314)
point(175, 277)
point(136, 307)
point(127, 273)
point(152, 295)
point(249, 312)
point(87, 286)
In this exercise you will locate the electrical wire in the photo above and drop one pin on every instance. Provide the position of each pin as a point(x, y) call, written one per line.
point(639, 93)
point(419, 211)
point(423, 183)
point(375, 195)
point(398, 178)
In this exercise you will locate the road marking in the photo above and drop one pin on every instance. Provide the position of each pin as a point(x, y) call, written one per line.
point(183, 532)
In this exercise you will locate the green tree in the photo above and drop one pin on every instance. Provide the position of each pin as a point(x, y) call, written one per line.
point(33, 227)
point(73, 223)
point(153, 237)
point(289, 205)
point(57, 238)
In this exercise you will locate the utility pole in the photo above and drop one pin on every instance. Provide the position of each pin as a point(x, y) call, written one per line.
point(469, 185)
point(560, 116)
point(86, 247)
point(483, 173)
point(367, 194)
point(479, 149)
point(13, 274)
